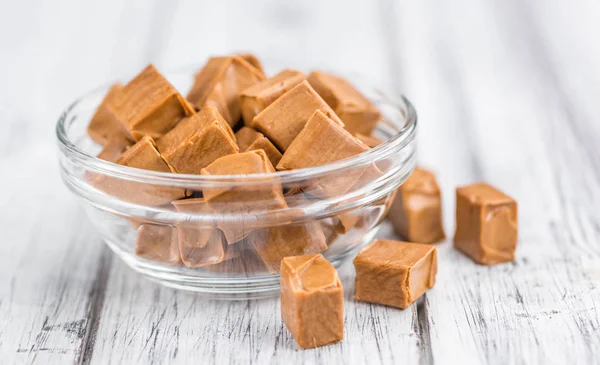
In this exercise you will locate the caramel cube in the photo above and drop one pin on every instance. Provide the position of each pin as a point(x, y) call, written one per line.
point(416, 212)
point(312, 305)
point(394, 273)
point(243, 200)
point(142, 155)
point(190, 125)
point(263, 143)
point(275, 243)
point(368, 140)
point(253, 60)
point(104, 125)
point(150, 106)
point(201, 149)
point(357, 112)
point(157, 243)
point(257, 97)
point(219, 83)
point(199, 245)
point(114, 148)
point(285, 118)
point(486, 224)
point(246, 136)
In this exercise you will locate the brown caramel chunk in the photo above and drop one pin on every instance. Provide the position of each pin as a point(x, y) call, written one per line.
point(285, 118)
point(114, 148)
point(263, 143)
point(150, 106)
point(246, 136)
point(253, 60)
point(257, 97)
point(394, 273)
point(190, 125)
point(368, 140)
point(157, 243)
point(242, 200)
point(201, 149)
point(275, 243)
point(219, 83)
point(199, 244)
point(357, 112)
point(416, 212)
point(104, 125)
point(312, 305)
point(486, 224)
point(142, 155)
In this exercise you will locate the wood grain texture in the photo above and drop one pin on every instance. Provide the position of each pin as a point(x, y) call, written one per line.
point(506, 92)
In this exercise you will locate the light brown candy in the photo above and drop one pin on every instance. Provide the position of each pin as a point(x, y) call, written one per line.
point(158, 243)
point(199, 244)
point(114, 148)
point(246, 136)
point(104, 125)
point(263, 143)
point(312, 305)
point(323, 141)
point(142, 155)
point(368, 140)
point(257, 97)
point(201, 149)
point(253, 60)
point(219, 83)
point(486, 224)
point(357, 112)
point(416, 212)
point(150, 106)
point(246, 200)
point(394, 273)
point(285, 118)
point(191, 125)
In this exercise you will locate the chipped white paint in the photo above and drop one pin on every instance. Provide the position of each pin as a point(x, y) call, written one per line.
point(506, 92)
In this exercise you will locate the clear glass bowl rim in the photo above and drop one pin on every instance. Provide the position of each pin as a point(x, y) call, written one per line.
point(398, 141)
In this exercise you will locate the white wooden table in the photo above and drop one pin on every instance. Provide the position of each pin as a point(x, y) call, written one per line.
point(506, 91)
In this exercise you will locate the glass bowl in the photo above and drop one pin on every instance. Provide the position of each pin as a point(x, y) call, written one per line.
point(226, 235)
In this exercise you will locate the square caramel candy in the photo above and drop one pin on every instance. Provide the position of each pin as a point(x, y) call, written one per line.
point(158, 243)
point(312, 305)
point(243, 200)
point(249, 139)
point(323, 141)
point(257, 97)
point(253, 60)
point(219, 83)
point(486, 224)
point(150, 106)
point(114, 148)
point(104, 125)
point(356, 111)
point(177, 136)
point(394, 273)
point(416, 212)
point(285, 118)
point(199, 244)
point(201, 149)
point(142, 155)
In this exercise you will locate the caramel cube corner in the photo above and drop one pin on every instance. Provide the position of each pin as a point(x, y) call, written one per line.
point(104, 125)
point(150, 106)
point(416, 212)
point(257, 97)
point(115, 147)
point(394, 273)
point(246, 136)
point(312, 305)
point(263, 143)
point(158, 243)
point(219, 83)
point(486, 224)
point(356, 111)
point(253, 60)
point(285, 118)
